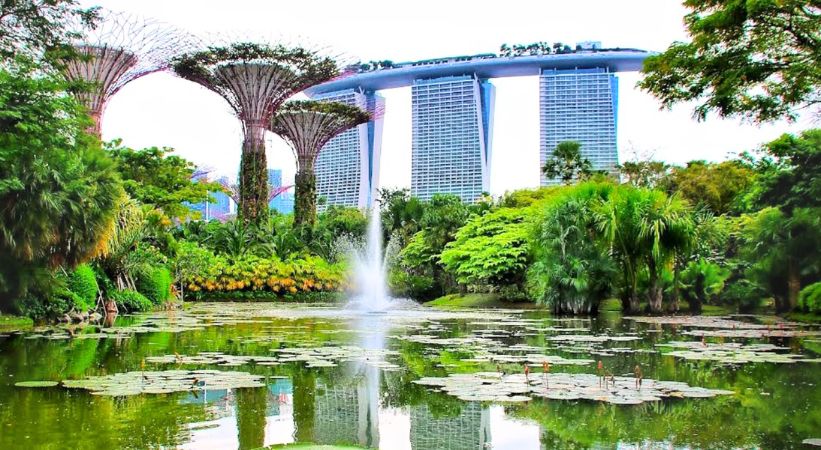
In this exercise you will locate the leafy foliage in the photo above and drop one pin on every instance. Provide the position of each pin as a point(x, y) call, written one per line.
point(131, 301)
point(810, 298)
point(756, 59)
point(252, 273)
point(567, 164)
point(492, 249)
point(571, 268)
point(155, 285)
point(38, 29)
point(717, 187)
point(155, 177)
point(83, 282)
point(58, 190)
point(791, 179)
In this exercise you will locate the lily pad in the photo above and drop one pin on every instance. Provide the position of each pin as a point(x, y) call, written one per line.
point(36, 384)
point(135, 383)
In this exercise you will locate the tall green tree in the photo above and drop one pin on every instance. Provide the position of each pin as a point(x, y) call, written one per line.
point(791, 176)
point(38, 29)
point(645, 229)
point(155, 177)
point(719, 187)
point(567, 163)
point(754, 59)
point(58, 189)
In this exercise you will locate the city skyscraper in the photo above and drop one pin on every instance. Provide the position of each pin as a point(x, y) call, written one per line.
point(347, 168)
point(451, 136)
point(221, 207)
point(284, 202)
point(579, 105)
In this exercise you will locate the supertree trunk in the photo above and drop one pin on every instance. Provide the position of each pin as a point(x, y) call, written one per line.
point(253, 185)
point(305, 192)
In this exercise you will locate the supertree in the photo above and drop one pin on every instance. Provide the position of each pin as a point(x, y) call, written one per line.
point(232, 190)
point(307, 126)
point(255, 79)
point(116, 52)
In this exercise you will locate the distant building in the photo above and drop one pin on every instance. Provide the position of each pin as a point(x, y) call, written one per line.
point(452, 123)
point(284, 202)
point(221, 207)
point(579, 105)
point(347, 168)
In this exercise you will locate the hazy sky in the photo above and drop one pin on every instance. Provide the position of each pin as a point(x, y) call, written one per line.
point(162, 110)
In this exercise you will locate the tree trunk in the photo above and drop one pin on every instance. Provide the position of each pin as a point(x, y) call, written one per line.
point(793, 286)
point(253, 180)
point(697, 300)
point(305, 202)
point(655, 291)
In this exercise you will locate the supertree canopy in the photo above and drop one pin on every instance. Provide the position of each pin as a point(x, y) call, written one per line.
point(119, 50)
point(255, 79)
point(307, 126)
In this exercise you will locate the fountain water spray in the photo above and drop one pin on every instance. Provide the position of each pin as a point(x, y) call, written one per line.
point(369, 270)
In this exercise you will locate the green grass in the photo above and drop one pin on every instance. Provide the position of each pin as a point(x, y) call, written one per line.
point(15, 322)
point(459, 301)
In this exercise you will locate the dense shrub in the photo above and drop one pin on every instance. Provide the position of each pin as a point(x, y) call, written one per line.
point(131, 301)
point(252, 273)
point(48, 302)
point(810, 298)
point(155, 284)
point(83, 282)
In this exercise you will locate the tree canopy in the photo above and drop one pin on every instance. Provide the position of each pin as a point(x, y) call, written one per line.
point(567, 163)
point(754, 59)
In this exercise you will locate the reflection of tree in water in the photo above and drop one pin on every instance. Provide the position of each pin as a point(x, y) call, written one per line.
point(251, 407)
point(746, 420)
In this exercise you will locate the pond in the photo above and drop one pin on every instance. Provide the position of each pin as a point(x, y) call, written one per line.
point(248, 375)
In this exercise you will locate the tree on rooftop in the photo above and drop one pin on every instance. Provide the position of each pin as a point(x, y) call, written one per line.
point(255, 79)
point(119, 50)
point(307, 126)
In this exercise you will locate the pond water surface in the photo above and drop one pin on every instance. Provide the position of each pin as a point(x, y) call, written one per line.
point(334, 376)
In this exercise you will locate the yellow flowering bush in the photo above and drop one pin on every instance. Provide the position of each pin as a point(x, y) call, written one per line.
point(265, 276)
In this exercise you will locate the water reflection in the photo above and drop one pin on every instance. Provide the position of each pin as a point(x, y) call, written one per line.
point(356, 404)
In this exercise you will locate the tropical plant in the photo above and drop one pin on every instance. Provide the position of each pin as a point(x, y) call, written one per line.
point(571, 270)
point(38, 29)
point(566, 163)
point(130, 300)
point(783, 252)
point(645, 229)
point(810, 298)
point(490, 250)
point(155, 177)
point(718, 187)
point(702, 281)
point(751, 59)
point(58, 190)
point(83, 282)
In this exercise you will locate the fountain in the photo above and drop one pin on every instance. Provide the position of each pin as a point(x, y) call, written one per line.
point(369, 271)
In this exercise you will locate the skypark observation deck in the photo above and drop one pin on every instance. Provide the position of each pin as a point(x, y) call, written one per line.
point(452, 106)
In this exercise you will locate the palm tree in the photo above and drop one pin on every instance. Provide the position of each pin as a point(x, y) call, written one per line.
point(644, 228)
point(566, 163)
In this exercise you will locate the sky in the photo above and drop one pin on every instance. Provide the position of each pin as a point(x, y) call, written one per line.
point(165, 111)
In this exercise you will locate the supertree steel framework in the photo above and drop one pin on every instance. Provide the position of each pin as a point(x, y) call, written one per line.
point(116, 52)
point(232, 190)
point(307, 126)
point(255, 79)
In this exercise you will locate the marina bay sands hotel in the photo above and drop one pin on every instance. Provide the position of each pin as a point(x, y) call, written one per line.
point(452, 113)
